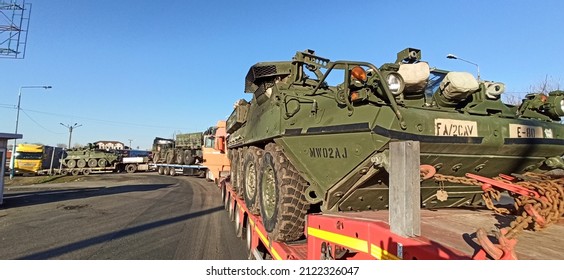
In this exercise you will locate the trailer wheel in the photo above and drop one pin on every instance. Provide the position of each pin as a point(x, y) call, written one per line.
point(238, 223)
point(71, 163)
point(75, 172)
point(172, 171)
point(226, 200)
point(64, 172)
point(249, 180)
point(86, 171)
point(282, 202)
point(161, 170)
point(167, 170)
point(102, 162)
point(130, 168)
point(92, 162)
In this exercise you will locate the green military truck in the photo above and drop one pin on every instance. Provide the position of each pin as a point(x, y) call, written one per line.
point(185, 149)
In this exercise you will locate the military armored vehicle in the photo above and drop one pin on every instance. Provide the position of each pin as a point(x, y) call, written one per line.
point(314, 137)
point(89, 157)
point(186, 149)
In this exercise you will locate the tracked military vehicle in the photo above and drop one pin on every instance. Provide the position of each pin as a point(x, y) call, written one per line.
point(314, 137)
point(89, 157)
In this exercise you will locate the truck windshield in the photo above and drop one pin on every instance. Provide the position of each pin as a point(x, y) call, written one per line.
point(28, 155)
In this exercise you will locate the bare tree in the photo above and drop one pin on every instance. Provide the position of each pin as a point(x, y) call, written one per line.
point(549, 84)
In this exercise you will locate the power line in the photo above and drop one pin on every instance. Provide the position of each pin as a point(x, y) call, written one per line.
point(38, 124)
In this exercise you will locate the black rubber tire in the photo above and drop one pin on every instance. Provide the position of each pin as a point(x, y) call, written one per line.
point(172, 171)
point(92, 162)
point(287, 202)
point(249, 238)
point(250, 177)
point(241, 173)
point(131, 168)
point(189, 158)
point(180, 158)
point(71, 163)
point(160, 170)
point(75, 172)
point(238, 221)
point(170, 157)
point(64, 172)
point(234, 169)
point(86, 171)
point(166, 170)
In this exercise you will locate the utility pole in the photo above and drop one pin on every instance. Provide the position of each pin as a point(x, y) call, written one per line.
point(130, 144)
point(71, 127)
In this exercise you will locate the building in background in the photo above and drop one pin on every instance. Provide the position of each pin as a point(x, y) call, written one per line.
point(109, 145)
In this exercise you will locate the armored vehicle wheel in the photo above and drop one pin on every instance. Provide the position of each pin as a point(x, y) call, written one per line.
point(241, 173)
point(251, 167)
point(188, 158)
point(169, 157)
point(234, 169)
point(75, 172)
point(130, 168)
point(180, 158)
point(86, 171)
point(282, 202)
point(81, 163)
point(161, 170)
point(92, 162)
point(102, 162)
point(71, 163)
point(156, 157)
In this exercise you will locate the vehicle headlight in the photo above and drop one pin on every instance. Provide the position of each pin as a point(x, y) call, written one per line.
point(395, 83)
point(556, 103)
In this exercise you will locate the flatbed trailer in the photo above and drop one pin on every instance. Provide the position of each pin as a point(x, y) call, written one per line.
point(180, 169)
point(446, 234)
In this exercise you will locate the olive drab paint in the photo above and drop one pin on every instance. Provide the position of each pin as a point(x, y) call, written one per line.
point(333, 124)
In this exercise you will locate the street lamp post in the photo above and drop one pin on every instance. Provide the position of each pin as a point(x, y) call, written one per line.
point(12, 160)
point(71, 127)
point(452, 56)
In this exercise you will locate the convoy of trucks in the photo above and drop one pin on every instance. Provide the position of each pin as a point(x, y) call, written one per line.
point(210, 161)
point(402, 161)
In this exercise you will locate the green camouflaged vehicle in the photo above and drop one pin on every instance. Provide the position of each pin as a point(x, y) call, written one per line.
point(314, 137)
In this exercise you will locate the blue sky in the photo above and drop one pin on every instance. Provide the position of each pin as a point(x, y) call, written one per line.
point(141, 69)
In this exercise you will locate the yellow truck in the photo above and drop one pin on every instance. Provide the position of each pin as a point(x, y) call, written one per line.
point(33, 159)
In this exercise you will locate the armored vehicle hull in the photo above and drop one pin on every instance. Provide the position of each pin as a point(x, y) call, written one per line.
point(302, 145)
point(89, 157)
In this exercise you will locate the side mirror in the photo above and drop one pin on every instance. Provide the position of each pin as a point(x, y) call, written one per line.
point(220, 144)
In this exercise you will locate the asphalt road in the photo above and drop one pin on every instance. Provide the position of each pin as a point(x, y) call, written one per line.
point(141, 216)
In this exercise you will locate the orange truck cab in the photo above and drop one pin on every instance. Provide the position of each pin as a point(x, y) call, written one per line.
point(215, 153)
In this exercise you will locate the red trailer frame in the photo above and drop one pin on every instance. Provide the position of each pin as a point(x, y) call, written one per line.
point(446, 234)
